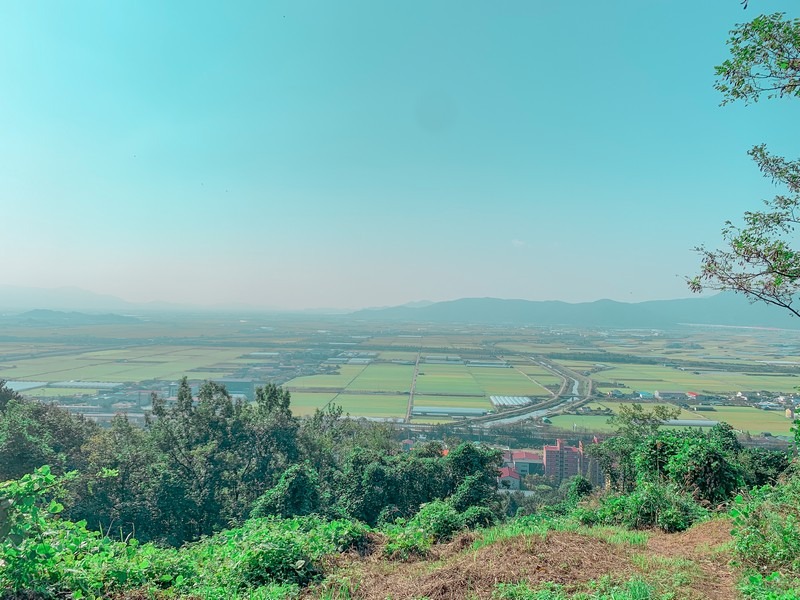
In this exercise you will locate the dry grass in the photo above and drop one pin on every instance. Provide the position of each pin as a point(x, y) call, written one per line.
point(692, 565)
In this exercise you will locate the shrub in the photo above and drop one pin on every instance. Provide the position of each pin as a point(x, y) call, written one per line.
point(406, 542)
point(478, 516)
point(281, 558)
point(650, 505)
point(767, 527)
point(439, 519)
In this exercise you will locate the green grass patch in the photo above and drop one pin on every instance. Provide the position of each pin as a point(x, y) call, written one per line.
point(334, 381)
point(384, 378)
point(369, 405)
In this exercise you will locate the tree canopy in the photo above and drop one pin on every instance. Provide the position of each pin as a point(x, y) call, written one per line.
point(759, 258)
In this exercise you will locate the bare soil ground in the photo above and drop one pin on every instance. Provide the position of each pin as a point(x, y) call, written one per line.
point(457, 572)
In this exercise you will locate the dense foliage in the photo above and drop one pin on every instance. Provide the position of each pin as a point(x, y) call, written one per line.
point(222, 499)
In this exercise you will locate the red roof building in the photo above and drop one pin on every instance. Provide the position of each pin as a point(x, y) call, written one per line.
point(508, 478)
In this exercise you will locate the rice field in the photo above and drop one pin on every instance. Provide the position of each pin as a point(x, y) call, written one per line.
point(384, 377)
point(506, 382)
point(743, 418)
point(447, 379)
point(378, 405)
point(51, 392)
point(134, 364)
point(334, 381)
point(649, 378)
point(304, 403)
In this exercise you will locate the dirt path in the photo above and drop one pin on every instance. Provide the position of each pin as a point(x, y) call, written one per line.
point(701, 545)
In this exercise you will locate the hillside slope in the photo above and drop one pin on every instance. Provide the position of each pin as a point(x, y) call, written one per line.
point(511, 563)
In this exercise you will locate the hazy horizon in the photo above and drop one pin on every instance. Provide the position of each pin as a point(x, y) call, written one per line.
point(70, 296)
point(358, 154)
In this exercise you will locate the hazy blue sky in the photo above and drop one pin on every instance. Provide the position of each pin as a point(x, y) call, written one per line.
point(340, 153)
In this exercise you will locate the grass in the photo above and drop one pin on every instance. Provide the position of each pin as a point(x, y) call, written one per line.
point(649, 378)
point(450, 379)
point(367, 405)
point(383, 378)
point(305, 403)
point(334, 381)
point(506, 382)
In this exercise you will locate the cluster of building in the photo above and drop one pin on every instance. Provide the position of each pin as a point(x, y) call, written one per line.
point(557, 462)
point(763, 400)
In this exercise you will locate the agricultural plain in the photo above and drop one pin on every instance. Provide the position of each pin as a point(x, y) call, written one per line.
point(380, 371)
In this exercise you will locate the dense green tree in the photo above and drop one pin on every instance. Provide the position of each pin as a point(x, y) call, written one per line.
point(761, 466)
point(706, 471)
point(617, 455)
point(207, 456)
point(123, 502)
point(296, 494)
point(33, 434)
point(7, 394)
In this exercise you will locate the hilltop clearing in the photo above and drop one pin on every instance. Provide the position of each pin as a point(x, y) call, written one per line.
point(521, 560)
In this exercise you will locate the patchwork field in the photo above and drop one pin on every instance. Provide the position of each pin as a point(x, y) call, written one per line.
point(506, 382)
point(275, 348)
point(136, 364)
point(453, 401)
point(384, 377)
point(752, 420)
point(449, 379)
point(649, 378)
point(743, 418)
point(366, 405)
point(334, 381)
point(304, 403)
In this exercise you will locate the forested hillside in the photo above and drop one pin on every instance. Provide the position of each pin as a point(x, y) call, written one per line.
point(216, 498)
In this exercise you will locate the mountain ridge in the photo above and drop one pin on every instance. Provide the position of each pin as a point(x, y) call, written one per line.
point(725, 309)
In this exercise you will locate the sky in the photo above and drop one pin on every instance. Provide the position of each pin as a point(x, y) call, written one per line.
point(311, 153)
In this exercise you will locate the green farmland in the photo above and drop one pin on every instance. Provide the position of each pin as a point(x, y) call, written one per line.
point(367, 405)
point(138, 364)
point(743, 418)
point(506, 382)
point(302, 354)
point(447, 379)
point(384, 378)
point(334, 381)
point(305, 403)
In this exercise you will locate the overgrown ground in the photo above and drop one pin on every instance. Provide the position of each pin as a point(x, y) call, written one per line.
point(527, 561)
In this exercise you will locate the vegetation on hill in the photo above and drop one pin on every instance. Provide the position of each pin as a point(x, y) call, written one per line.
point(219, 499)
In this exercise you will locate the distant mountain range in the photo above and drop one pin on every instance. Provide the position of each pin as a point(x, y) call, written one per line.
point(722, 309)
point(14, 298)
point(46, 318)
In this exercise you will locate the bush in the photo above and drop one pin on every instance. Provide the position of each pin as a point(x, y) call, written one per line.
point(46, 555)
point(478, 516)
point(406, 542)
point(438, 519)
point(281, 558)
point(767, 527)
point(650, 505)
